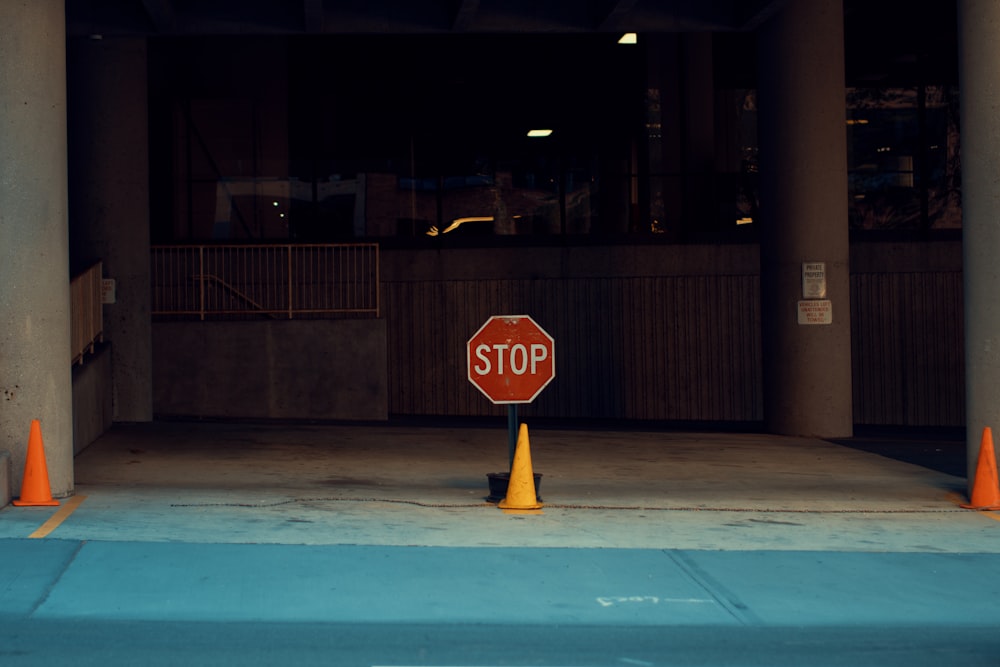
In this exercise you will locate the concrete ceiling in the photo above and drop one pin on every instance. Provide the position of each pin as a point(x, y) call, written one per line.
point(268, 17)
point(886, 40)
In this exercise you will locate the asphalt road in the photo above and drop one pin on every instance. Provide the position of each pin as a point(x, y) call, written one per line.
point(142, 603)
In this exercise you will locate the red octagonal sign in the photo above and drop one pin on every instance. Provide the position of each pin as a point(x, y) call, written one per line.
point(511, 359)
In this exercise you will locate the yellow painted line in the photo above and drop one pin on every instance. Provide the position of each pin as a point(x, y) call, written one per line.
point(61, 515)
point(989, 514)
point(958, 499)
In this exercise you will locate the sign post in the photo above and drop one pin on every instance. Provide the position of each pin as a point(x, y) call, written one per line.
point(510, 360)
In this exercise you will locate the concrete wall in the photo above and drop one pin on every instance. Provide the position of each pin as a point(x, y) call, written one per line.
point(284, 369)
point(109, 202)
point(92, 404)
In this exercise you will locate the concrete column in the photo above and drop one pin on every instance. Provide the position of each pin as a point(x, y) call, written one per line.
point(109, 199)
point(35, 356)
point(979, 76)
point(803, 194)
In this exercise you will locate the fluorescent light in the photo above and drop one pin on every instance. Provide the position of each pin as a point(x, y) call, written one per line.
point(539, 133)
point(628, 38)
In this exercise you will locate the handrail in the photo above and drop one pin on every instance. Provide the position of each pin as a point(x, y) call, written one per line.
point(223, 281)
point(213, 279)
point(86, 316)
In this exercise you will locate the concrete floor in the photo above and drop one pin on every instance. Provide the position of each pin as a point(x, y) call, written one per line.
point(405, 484)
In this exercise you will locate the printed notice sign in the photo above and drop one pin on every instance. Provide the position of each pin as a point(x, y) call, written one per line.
point(815, 311)
point(813, 280)
point(107, 290)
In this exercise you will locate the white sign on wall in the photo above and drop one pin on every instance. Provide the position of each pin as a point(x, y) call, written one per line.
point(815, 311)
point(108, 290)
point(813, 280)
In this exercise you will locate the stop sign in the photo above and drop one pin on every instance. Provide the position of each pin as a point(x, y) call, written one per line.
point(511, 359)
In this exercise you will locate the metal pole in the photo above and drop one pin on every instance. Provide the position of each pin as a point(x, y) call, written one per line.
point(511, 434)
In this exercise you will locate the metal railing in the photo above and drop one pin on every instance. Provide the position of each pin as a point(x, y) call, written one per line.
point(277, 281)
point(86, 318)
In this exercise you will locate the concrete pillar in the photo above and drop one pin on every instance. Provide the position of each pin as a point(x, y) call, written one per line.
point(109, 199)
point(803, 195)
point(35, 356)
point(979, 77)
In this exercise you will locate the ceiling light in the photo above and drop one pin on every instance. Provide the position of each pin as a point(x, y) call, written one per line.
point(539, 133)
point(628, 38)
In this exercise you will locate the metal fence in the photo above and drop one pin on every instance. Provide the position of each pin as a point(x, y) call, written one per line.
point(276, 281)
point(86, 318)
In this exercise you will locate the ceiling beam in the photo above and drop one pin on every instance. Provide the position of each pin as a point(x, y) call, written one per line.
point(753, 14)
point(162, 15)
point(464, 15)
point(313, 15)
point(616, 15)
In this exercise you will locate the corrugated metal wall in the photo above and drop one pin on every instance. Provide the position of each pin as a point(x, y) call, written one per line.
point(680, 346)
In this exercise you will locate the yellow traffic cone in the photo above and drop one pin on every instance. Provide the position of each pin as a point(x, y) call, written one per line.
point(521, 487)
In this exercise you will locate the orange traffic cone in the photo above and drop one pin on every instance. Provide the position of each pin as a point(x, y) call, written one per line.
point(35, 485)
point(521, 487)
point(985, 487)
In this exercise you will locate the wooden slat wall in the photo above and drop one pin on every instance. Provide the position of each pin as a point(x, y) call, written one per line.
point(655, 348)
point(908, 350)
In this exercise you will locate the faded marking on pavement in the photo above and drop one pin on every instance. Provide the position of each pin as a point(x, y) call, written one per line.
point(59, 517)
point(611, 601)
point(726, 598)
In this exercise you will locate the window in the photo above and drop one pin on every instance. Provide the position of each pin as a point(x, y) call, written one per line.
point(903, 161)
point(423, 139)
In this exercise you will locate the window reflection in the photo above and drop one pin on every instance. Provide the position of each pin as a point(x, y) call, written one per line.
point(903, 163)
point(425, 139)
